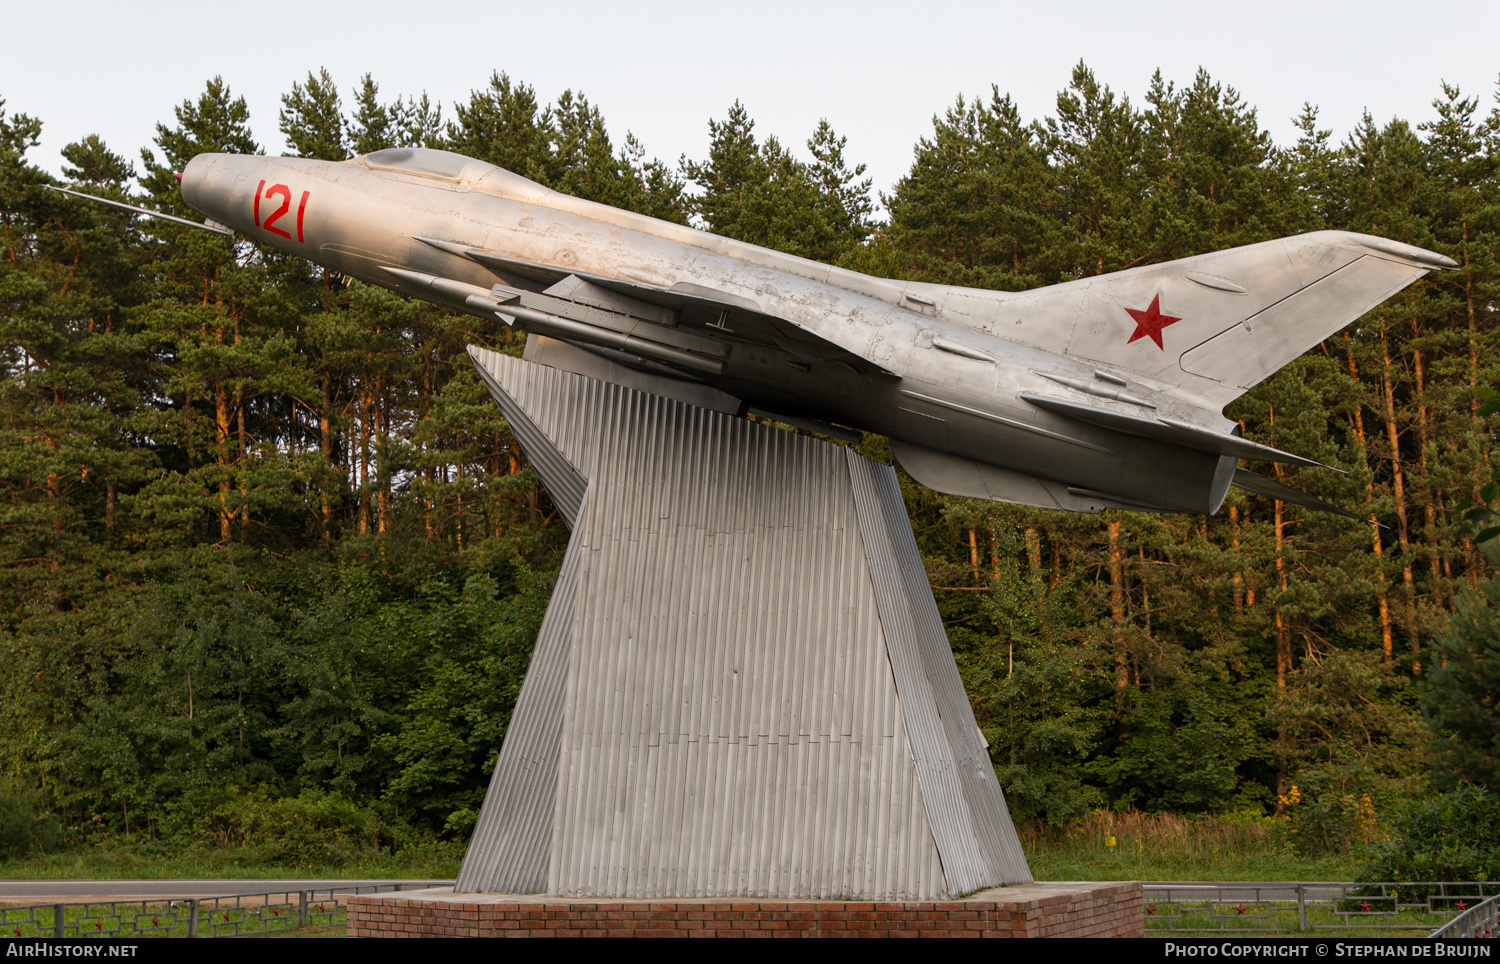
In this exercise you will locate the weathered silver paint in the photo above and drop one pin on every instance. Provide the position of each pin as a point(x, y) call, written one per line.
point(742, 685)
point(954, 375)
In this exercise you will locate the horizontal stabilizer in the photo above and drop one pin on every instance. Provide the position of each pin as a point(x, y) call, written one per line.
point(1170, 431)
point(1271, 489)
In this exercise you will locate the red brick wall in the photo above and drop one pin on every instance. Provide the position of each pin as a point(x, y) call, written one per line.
point(1096, 910)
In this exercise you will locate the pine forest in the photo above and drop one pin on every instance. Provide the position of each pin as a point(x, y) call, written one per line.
point(264, 536)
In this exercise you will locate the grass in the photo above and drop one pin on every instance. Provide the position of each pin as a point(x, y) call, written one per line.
point(1147, 847)
point(120, 858)
point(1279, 919)
point(155, 918)
point(1151, 847)
point(1169, 847)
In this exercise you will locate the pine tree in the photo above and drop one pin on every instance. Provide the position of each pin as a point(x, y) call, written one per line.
point(505, 125)
point(313, 121)
point(1099, 150)
point(762, 194)
point(1461, 704)
point(374, 125)
point(846, 205)
point(219, 327)
point(979, 206)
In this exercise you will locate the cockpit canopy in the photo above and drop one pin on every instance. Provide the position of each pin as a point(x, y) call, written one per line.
point(465, 173)
point(419, 160)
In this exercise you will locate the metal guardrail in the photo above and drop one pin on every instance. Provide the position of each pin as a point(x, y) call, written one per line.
point(1478, 921)
point(234, 915)
point(1312, 906)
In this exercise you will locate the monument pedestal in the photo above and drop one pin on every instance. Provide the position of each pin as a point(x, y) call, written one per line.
point(742, 687)
point(1029, 910)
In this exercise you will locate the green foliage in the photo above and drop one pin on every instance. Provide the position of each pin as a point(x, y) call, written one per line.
point(1039, 734)
point(273, 561)
point(761, 194)
point(1181, 758)
point(1453, 836)
point(27, 825)
point(1328, 812)
point(1484, 515)
point(1461, 701)
point(1164, 846)
point(977, 207)
point(313, 120)
point(313, 828)
point(565, 147)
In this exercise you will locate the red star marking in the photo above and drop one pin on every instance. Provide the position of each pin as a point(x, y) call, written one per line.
point(1240, 909)
point(1364, 905)
point(1149, 323)
point(1462, 905)
point(1150, 911)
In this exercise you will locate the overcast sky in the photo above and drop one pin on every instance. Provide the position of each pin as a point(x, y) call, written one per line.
point(877, 71)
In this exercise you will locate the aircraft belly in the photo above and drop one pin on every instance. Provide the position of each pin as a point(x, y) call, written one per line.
point(1108, 468)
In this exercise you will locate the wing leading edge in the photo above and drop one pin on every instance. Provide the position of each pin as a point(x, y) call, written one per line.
point(685, 307)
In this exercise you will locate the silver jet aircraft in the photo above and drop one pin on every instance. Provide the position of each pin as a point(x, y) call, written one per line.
point(1105, 392)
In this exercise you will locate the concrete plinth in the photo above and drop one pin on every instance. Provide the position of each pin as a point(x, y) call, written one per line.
point(1028, 910)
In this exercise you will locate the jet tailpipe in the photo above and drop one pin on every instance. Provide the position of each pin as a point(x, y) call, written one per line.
point(567, 328)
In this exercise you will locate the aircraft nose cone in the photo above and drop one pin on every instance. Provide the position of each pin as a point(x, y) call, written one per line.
point(205, 188)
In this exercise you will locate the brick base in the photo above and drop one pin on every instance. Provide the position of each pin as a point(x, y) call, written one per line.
point(1031, 910)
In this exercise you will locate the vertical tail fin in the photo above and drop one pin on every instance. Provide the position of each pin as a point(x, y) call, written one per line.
point(1214, 325)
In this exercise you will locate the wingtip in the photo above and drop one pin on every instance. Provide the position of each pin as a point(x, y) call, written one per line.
point(1406, 252)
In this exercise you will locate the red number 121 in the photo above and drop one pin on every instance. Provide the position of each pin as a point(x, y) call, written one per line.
point(285, 193)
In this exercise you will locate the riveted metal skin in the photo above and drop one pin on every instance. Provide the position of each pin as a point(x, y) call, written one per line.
point(1102, 392)
point(758, 697)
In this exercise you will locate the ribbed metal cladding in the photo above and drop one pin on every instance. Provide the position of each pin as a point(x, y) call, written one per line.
point(513, 836)
point(562, 478)
point(731, 722)
point(965, 804)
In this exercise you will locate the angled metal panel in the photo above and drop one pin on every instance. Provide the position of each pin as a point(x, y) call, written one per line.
point(561, 477)
point(512, 838)
point(995, 833)
point(734, 721)
point(732, 726)
point(965, 804)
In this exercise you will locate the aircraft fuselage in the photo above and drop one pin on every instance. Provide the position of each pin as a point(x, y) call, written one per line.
point(962, 380)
